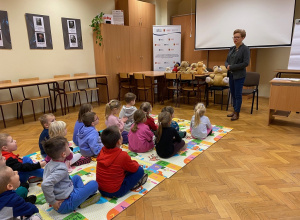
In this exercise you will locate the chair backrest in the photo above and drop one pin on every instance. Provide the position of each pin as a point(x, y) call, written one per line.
point(187, 76)
point(62, 76)
point(5, 81)
point(29, 79)
point(124, 75)
point(252, 79)
point(81, 74)
point(139, 76)
point(171, 75)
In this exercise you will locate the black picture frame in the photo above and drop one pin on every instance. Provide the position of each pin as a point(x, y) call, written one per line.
point(32, 33)
point(66, 33)
point(5, 30)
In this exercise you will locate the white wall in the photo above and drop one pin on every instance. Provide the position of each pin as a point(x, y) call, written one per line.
point(268, 59)
point(21, 62)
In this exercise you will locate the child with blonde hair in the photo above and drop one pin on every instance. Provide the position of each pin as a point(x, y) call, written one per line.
point(59, 128)
point(147, 108)
point(112, 109)
point(79, 123)
point(168, 141)
point(200, 124)
point(140, 136)
point(45, 121)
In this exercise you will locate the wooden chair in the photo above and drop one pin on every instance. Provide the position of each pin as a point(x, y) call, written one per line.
point(125, 83)
point(187, 85)
point(10, 102)
point(37, 96)
point(67, 90)
point(143, 87)
point(171, 84)
point(87, 87)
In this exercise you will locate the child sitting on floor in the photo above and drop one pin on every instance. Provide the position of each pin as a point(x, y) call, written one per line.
point(22, 190)
point(140, 136)
point(147, 108)
point(168, 141)
point(45, 121)
point(12, 206)
point(200, 124)
point(83, 109)
point(128, 110)
point(25, 166)
point(174, 124)
point(59, 128)
point(61, 192)
point(111, 111)
point(89, 140)
point(116, 173)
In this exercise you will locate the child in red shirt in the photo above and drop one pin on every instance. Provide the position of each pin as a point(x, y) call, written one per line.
point(147, 108)
point(116, 173)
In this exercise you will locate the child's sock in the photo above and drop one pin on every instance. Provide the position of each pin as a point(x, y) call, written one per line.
point(82, 160)
point(68, 164)
point(91, 200)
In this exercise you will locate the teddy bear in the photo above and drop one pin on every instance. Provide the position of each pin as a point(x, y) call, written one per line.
point(183, 66)
point(176, 67)
point(201, 68)
point(192, 68)
point(168, 70)
point(219, 77)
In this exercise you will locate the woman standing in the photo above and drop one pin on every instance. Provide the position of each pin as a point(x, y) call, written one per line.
point(236, 63)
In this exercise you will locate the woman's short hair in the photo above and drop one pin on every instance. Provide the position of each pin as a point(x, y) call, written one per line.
point(241, 31)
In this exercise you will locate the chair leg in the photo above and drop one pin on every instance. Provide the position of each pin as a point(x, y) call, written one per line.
point(21, 111)
point(257, 99)
point(79, 98)
point(44, 106)
point(17, 110)
point(92, 96)
point(33, 110)
point(222, 101)
point(252, 102)
point(2, 116)
point(49, 105)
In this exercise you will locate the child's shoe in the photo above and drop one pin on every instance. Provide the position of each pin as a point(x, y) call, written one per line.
point(31, 199)
point(141, 182)
point(34, 179)
point(91, 200)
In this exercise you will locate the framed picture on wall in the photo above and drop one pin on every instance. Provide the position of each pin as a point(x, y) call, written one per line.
point(72, 33)
point(39, 31)
point(5, 41)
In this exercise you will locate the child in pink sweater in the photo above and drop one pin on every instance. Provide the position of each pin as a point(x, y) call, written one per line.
point(140, 136)
point(112, 109)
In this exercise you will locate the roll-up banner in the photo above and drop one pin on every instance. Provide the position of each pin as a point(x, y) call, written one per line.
point(166, 46)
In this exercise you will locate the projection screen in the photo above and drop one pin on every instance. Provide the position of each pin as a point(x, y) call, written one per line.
point(268, 23)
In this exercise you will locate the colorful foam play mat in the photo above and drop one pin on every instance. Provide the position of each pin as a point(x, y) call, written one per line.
point(157, 168)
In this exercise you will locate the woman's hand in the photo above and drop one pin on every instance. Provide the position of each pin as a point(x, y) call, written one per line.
point(228, 67)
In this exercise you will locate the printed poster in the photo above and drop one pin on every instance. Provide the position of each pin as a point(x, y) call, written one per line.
point(71, 26)
point(166, 46)
point(73, 40)
point(40, 39)
point(38, 23)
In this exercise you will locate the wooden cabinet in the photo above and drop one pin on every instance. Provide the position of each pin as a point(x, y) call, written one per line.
point(113, 56)
point(141, 49)
point(137, 13)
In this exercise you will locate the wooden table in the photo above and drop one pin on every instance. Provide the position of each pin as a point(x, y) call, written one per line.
point(285, 71)
point(55, 82)
point(284, 96)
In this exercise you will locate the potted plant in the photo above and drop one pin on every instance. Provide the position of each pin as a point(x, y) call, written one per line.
point(96, 27)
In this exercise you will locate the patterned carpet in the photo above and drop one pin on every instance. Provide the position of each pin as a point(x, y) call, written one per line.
point(158, 170)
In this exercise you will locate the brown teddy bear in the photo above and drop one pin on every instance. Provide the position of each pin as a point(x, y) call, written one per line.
point(183, 67)
point(219, 77)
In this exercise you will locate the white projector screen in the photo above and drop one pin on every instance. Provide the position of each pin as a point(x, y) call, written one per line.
point(268, 23)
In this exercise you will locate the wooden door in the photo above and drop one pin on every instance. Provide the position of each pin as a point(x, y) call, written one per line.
point(146, 48)
point(134, 19)
point(135, 49)
point(148, 15)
